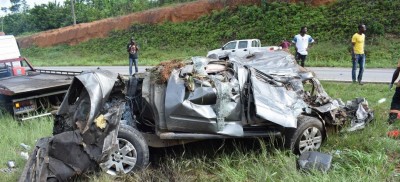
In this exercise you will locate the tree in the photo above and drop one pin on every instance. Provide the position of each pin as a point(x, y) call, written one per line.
point(25, 6)
point(49, 16)
point(15, 5)
point(2, 19)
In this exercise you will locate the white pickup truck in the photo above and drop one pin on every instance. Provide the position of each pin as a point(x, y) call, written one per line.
point(240, 48)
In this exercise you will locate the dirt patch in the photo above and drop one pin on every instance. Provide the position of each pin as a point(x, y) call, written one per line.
point(98, 29)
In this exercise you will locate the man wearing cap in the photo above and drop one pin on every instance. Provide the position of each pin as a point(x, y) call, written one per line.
point(133, 49)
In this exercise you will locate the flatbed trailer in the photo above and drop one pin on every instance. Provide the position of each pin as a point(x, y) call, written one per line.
point(26, 92)
point(33, 94)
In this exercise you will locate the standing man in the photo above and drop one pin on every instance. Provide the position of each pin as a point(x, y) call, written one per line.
point(357, 53)
point(395, 105)
point(301, 42)
point(133, 49)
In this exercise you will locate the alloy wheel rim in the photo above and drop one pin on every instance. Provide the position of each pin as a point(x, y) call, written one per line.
point(311, 139)
point(122, 160)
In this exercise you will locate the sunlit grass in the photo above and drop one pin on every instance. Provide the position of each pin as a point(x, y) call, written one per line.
point(14, 133)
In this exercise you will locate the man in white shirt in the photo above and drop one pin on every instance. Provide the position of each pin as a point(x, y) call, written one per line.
point(301, 42)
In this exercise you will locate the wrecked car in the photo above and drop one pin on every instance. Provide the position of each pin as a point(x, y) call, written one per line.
point(110, 122)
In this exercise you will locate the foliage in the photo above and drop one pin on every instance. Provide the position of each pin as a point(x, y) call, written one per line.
point(270, 22)
point(55, 15)
point(49, 16)
point(15, 6)
point(332, 26)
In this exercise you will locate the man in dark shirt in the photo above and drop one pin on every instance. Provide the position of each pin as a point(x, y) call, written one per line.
point(133, 49)
point(395, 105)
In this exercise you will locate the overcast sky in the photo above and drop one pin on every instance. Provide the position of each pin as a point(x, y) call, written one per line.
point(31, 3)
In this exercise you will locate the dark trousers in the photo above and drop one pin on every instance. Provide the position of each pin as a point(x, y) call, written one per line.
point(300, 59)
point(394, 106)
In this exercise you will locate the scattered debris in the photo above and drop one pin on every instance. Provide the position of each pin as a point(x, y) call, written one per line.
point(360, 112)
point(26, 147)
point(312, 160)
point(394, 134)
point(24, 155)
point(380, 101)
point(337, 152)
point(7, 170)
point(11, 167)
point(11, 164)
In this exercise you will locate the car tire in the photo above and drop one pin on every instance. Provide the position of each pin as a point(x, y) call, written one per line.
point(308, 136)
point(132, 153)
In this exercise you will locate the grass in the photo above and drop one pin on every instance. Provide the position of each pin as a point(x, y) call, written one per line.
point(365, 155)
point(13, 134)
point(73, 56)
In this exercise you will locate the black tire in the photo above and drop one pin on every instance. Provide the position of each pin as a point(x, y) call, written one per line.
point(308, 136)
point(132, 154)
point(6, 105)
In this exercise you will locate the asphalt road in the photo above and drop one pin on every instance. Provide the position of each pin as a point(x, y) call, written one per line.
point(371, 75)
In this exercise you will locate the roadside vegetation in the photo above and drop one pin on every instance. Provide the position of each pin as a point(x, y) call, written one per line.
point(332, 26)
point(24, 20)
point(365, 155)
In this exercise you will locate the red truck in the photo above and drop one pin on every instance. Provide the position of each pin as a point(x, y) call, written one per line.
point(26, 92)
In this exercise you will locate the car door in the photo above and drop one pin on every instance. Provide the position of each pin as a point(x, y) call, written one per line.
point(230, 48)
point(242, 50)
point(193, 104)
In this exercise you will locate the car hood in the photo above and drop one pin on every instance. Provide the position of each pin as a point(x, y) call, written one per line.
point(216, 54)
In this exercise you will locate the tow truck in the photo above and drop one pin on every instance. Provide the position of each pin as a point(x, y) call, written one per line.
point(27, 92)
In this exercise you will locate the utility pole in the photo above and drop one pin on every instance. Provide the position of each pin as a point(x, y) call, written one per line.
point(2, 18)
point(73, 11)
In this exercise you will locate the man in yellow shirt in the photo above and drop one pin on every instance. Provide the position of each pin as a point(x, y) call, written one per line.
point(358, 54)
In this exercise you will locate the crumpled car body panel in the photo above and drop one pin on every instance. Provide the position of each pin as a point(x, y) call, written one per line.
point(213, 96)
point(85, 129)
point(273, 101)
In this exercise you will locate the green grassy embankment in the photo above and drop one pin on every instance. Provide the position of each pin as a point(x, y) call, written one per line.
point(332, 26)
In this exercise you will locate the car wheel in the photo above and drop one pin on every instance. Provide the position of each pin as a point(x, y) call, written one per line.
point(132, 153)
point(308, 136)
